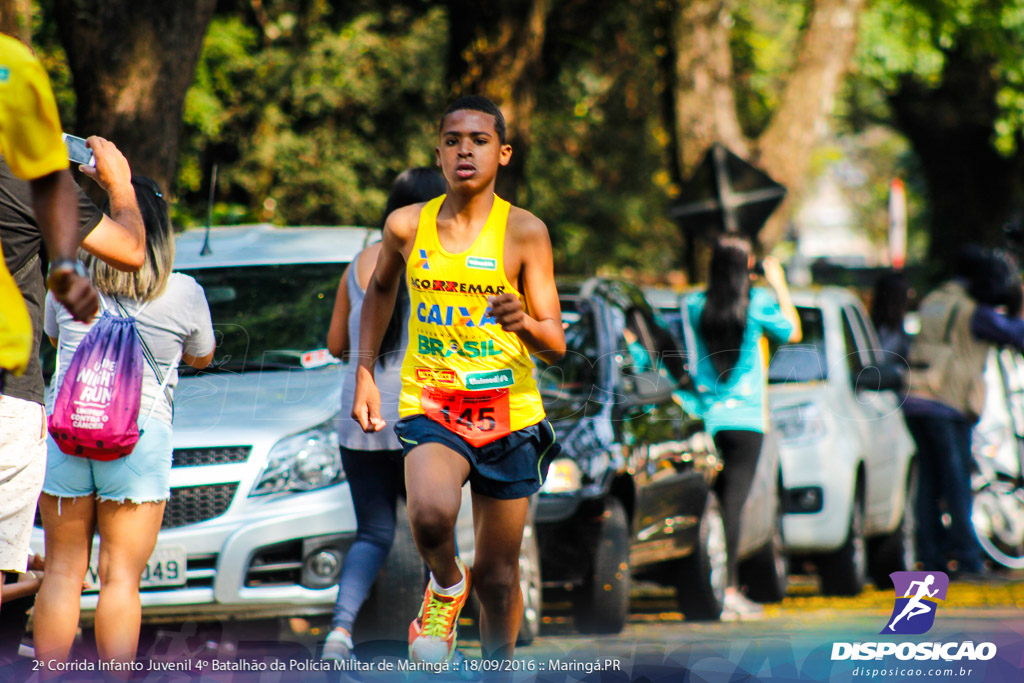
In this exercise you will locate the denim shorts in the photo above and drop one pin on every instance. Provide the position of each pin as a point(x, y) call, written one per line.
point(142, 476)
point(512, 467)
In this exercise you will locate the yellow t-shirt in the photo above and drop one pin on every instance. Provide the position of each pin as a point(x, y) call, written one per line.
point(30, 141)
point(454, 345)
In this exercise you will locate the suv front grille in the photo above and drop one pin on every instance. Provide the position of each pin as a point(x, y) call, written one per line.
point(276, 565)
point(194, 504)
point(222, 455)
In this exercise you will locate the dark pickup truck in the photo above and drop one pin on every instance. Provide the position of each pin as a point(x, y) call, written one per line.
point(631, 494)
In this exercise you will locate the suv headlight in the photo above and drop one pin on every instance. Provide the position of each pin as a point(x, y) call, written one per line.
point(800, 423)
point(563, 477)
point(305, 461)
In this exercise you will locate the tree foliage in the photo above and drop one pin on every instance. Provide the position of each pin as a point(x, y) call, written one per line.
point(309, 108)
point(952, 75)
point(311, 127)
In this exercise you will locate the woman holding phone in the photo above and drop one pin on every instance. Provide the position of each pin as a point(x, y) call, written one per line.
point(728, 321)
point(122, 499)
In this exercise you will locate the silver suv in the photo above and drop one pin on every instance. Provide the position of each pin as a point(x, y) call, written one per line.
point(260, 515)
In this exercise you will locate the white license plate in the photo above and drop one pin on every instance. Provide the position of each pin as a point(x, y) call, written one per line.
point(166, 567)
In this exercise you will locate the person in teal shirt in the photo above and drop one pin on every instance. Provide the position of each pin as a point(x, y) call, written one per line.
point(724, 328)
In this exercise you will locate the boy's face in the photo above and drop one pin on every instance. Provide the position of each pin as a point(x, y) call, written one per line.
point(469, 152)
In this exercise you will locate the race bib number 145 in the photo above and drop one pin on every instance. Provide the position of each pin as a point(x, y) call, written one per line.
point(479, 417)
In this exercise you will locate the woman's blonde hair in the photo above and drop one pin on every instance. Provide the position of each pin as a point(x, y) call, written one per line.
point(148, 283)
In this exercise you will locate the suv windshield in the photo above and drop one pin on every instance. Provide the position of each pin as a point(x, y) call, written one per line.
point(803, 362)
point(266, 317)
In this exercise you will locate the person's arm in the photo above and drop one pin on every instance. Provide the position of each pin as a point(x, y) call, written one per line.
point(25, 586)
point(193, 351)
point(989, 325)
point(541, 329)
point(55, 203)
point(337, 335)
point(776, 277)
point(378, 305)
point(31, 141)
point(198, 362)
point(118, 239)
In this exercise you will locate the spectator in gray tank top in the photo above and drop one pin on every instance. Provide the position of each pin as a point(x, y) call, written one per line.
point(373, 462)
point(122, 499)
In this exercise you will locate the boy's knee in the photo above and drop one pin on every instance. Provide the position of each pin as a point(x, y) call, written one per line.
point(496, 586)
point(432, 522)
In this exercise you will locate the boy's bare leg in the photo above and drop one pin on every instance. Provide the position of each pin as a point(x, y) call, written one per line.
point(499, 535)
point(434, 475)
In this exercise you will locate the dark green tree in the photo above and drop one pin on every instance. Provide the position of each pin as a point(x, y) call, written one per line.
point(132, 61)
point(310, 114)
point(952, 74)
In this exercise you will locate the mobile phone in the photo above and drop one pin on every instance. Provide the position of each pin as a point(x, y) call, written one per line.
point(78, 152)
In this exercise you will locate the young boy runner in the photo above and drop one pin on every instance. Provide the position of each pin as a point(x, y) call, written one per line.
point(483, 298)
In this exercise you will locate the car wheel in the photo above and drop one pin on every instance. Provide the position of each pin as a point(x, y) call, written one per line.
point(602, 603)
point(844, 572)
point(530, 584)
point(703, 575)
point(895, 551)
point(397, 593)
point(766, 574)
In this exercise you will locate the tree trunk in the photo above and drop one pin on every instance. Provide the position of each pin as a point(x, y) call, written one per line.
point(972, 188)
point(16, 19)
point(132, 62)
point(801, 120)
point(704, 107)
point(495, 50)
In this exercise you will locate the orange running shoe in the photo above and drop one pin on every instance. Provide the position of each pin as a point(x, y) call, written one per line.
point(433, 634)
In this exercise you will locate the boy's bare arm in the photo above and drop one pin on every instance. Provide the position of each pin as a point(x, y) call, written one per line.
point(539, 326)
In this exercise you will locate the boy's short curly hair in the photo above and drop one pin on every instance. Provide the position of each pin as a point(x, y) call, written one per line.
point(477, 103)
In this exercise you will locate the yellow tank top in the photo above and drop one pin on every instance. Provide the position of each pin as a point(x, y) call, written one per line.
point(454, 345)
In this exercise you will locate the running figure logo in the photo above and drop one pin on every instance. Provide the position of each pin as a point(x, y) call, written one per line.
point(916, 595)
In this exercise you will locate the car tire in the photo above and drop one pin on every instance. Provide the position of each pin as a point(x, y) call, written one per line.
point(601, 605)
point(766, 574)
point(844, 572)
point(896, 551)
point(397, 594)
point(701, 577)
point(530, 584)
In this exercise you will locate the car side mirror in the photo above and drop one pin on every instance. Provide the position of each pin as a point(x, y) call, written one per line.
point(882, 377)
